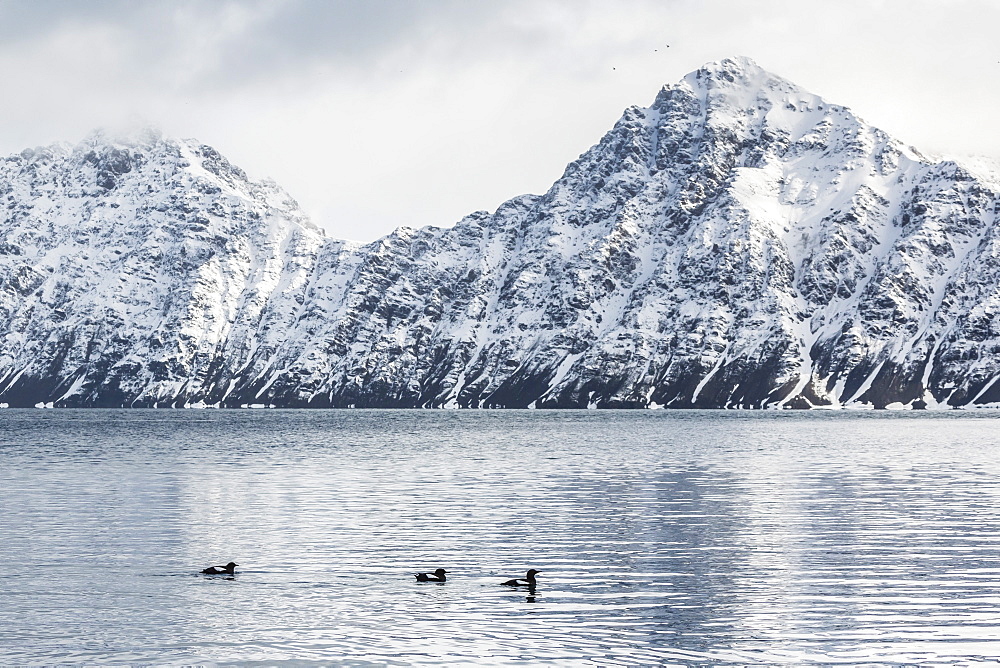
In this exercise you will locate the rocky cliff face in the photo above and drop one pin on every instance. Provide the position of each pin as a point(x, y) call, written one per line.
point(738, 243)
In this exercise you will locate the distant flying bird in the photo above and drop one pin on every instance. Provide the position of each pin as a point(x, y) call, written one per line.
point(528, 581)
point(228, 569)
point(436, 576)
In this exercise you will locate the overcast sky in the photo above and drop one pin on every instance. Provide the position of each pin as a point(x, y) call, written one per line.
point(383, 113)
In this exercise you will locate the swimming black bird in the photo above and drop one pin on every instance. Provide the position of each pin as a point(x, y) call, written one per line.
point(436, 576)
point(228, 569)
point(528, 581)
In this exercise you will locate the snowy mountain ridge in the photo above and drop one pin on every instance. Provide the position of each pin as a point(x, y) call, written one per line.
point(738, 243)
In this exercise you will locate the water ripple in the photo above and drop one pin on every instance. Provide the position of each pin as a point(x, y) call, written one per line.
point(687, 537)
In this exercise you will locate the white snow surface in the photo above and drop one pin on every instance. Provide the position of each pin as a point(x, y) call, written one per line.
point(738, 243)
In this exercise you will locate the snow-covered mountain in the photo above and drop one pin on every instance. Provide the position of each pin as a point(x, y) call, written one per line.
point(738, 243)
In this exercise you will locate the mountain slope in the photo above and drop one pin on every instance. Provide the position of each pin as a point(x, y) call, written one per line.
point(738, 243)
point(140, 267)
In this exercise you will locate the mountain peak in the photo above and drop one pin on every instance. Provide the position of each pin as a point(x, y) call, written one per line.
point(737, 83)
point(737, 72)
point(730, 68)
point(743, 78)
point(138, 136)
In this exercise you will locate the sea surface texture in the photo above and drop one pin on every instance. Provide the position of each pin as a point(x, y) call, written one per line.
point(661, 536)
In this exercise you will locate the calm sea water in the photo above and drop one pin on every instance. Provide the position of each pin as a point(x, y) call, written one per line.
point(662, 536)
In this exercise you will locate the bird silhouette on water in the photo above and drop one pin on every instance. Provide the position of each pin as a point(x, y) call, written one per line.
point(228, 569)
point(527, 581)
point(436, 576)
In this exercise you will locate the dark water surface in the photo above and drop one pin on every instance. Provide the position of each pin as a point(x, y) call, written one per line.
point(662, 536)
